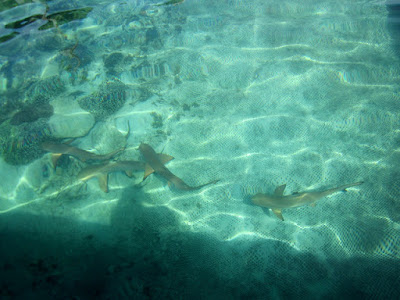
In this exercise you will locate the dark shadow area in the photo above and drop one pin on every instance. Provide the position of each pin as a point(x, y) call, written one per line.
point(147, 254)
point(393, 7)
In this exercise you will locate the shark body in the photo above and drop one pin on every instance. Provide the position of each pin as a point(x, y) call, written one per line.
point(155, 163)
point(58, 149)
point(278, 201)
point(101, 171)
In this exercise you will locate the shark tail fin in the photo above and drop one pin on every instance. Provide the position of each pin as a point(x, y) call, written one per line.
point(203, 185)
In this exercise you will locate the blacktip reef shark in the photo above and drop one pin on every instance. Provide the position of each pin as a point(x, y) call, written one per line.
point(155, 163)
point(278, 201)
point(101, 171)
point(58, 149)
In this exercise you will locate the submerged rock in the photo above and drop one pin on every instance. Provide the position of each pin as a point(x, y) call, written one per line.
point(23, 121)
point(75, 56)
point(110, 97)
point(31, 113)
point(48, 87)
point(116, 62)
point(20, 145)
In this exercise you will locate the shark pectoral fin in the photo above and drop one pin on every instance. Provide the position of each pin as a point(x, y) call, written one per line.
point(54, 159)
point(278, 213)
point(147, 171)
point(164, 158)
point(103, 182)
point(129, 174)
point(279, 190)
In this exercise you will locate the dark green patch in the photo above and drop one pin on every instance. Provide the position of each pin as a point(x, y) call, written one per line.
point(7, 4)
point(152, 34)
point(116, 62)
point(8, 37)
point(22, 23)
point(157, 120)
point(160, 132)
point(113, 60)
point(143, 94)
point(64, 17)
point(54, 20)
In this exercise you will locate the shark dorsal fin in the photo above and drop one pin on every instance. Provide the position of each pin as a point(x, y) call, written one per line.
point(279, 190)
point(164, 158)
point(69, 141)
point(147, 171)
point(103, 182)
point(278, 213)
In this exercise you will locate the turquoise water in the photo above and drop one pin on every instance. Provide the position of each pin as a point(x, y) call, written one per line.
point(254, 93)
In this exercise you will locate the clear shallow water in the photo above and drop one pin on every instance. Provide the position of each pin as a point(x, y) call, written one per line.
point(255, 94)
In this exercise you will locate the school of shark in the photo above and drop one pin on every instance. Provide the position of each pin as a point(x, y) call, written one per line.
point(99, 167)
point(155, 163)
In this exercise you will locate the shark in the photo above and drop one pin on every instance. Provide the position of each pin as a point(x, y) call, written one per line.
point(155, 163)
point(278, 201)
point(58, 149)
point(101, 171)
